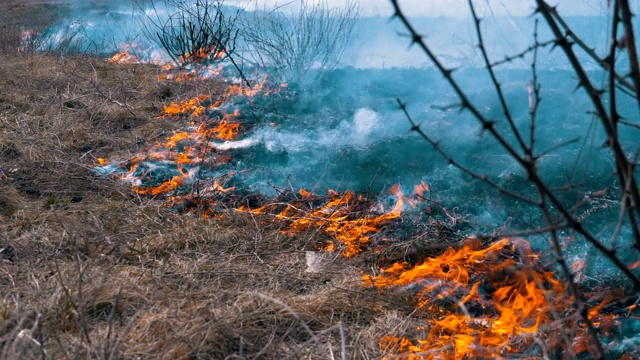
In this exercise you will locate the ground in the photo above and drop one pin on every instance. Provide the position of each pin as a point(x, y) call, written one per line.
point(89, 270)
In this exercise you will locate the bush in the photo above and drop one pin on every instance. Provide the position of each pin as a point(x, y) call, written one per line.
point(192, 32)
point(289, 45)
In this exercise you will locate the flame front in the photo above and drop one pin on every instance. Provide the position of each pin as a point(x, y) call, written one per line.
point(338, 218)
point(482, 303)
point(476, 301)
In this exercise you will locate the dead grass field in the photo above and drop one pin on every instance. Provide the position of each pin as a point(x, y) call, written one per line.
point(88, 270)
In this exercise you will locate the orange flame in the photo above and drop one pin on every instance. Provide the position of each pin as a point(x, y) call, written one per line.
point(191, 107)
point(201, 55)
point(168, 185)
point(521, 301)
point(502, 300)
point(218, 187)
point(335, 218)
point(125, 56)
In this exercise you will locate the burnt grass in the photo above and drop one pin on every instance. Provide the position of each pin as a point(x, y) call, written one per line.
point(89, 270)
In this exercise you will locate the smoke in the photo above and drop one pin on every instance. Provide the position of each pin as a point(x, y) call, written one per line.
point(103, 26)
point(365, 121)
point(450, 8)
point(358, 131)
point(346, 130)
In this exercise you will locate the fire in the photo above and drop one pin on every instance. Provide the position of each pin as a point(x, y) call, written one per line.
point(420, 189)
point(191, 107)
point(190, 149)
point(505, 317)
point(126, 54)
point(202, 55)
point(257, 88)
point(170, 185)
point(474, 301)
point(120, 57)
point(305, 194)
point(226, 130)
point(218, 187)
point(339, 218)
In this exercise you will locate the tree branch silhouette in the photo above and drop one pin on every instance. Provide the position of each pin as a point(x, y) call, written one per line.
point(556, 213)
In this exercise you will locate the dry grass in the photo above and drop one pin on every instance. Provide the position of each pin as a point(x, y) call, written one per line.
point(89, 271)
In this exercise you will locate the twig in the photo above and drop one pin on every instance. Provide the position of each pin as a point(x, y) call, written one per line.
point(494, 80)
point(556, 147)
point(533, 48)
point(627, 123)
point(578, 299)
point(436, 145)
point(112, 315)
point(534, 95)
point(625, 84)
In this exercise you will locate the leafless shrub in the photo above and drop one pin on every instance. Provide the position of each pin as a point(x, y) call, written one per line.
point(289, 45)
point(191, 32)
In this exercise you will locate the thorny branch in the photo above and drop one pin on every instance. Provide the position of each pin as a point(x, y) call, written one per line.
point(570, 34)
point(436, 146)
point(621, 160)
point(564, 39)
point(534, 94)
point(521, 55)
point(528, 164)
point(494, 80)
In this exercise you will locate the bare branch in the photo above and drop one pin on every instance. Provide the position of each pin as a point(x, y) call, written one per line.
point(624, 122)
point(494, 80)
point(589, 51)
point(556, 147)
point(534, 94)
point(529, 165)
point(533, 48)
point(415, 127)
point(621, 160)
point(289, 45)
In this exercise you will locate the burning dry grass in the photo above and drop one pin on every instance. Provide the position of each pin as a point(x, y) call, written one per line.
point(93, 269)
point(89, 270)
